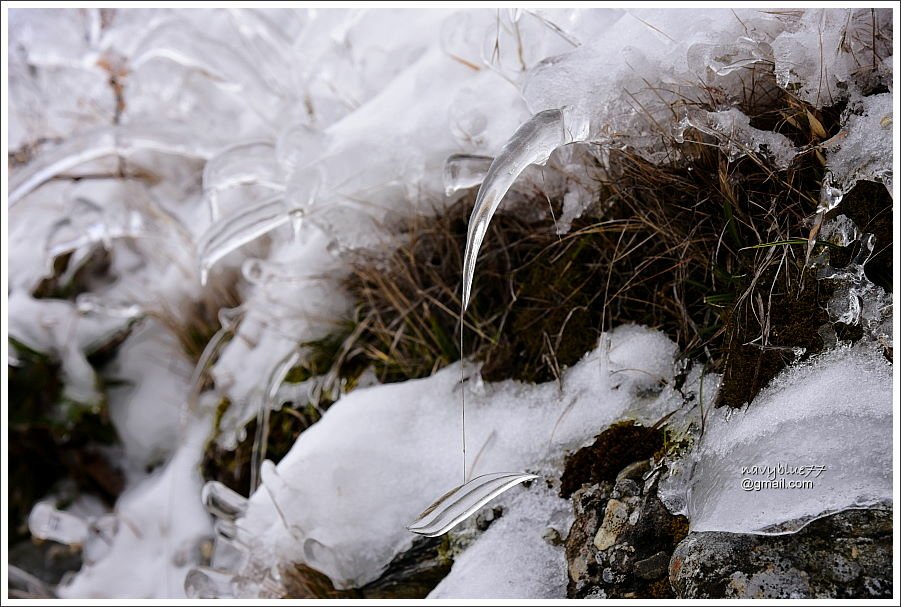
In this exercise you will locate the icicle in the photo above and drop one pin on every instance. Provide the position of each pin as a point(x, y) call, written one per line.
point(228, 323)
point(463, 171)
point(222, 502)
point(229, 233)
point(462, 501)
point(177, 41)
point(90, 303)
point(47, 523)
point(245, 163)
point(208, 583)
point(532, 143)
point(276, 378)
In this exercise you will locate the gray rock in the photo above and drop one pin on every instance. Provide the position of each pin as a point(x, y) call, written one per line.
point(845, 555)
point(626, 487)
point(652, 568)
point(616, 527)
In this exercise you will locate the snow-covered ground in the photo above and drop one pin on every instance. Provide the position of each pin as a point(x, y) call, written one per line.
point(255, 148)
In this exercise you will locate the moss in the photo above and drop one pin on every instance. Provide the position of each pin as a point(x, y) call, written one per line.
point(613, 449)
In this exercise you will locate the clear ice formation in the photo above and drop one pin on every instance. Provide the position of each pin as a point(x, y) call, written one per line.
point(733, 130)
point(246, 163)
point(812, 443)
point(464, 171)
point(856, 300)
point(176, 40)
point(208, 583)
point(532, 143)
point(459, 503)
point(232, 232)
point(89, 224)
point(222, 502)
point(121, 140)
point(229, 318)
point(268, 402)
point(45, 522)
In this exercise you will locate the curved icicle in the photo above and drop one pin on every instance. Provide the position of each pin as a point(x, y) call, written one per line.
point(246, 163)
point(459, 503)
point(108, 141)
point(229, 233)
point(532, 143)
point(276, 378)
point(177, 41)
point(229, 318)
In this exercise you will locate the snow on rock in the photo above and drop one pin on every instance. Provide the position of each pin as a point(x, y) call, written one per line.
point(512, 559)
point(826, 422)
point(380, 455)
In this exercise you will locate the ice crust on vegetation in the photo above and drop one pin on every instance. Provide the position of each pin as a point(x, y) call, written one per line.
point(339, 124)
point(833, 412)
point(354, 480)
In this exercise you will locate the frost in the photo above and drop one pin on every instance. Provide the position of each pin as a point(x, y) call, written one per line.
point(825, 422)
point(822, 51)
point(739, 138)
point(863, 148)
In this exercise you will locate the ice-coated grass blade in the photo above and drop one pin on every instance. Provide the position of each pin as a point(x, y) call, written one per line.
point(246, 163)
point(532, 143)
point(229, 233)
point(456, 505)
point(107, 141)
point(74, 152)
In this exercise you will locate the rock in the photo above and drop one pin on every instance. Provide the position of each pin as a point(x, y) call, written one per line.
point(552, 537)
point(581, 555)
point(626, 488)
point(621, 539)
point(652, 568)
point(410, 575)
point(488, 516)
point(845, 555)
point(616, 517)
